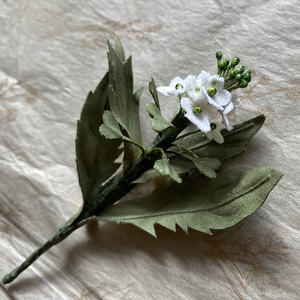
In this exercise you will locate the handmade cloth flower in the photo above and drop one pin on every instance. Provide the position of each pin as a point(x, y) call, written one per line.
point(213, 89)
point(177, 87)
point(199, 112)
point(216, 126)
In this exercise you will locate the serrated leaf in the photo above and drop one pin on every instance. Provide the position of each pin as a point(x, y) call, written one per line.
point(123, 103)
point(110, 127)
point(153, 92)
point(235, 142)
point(95, 155)
point(159, 123)
point(198, 202)
point(164, 168)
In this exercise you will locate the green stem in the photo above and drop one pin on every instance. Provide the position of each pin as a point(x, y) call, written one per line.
point(111, 192)
point(60, 235)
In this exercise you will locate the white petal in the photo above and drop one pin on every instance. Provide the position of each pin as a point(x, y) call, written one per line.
point(228, 108)
point(217, 136)
point(165, 90)
point(226, 122)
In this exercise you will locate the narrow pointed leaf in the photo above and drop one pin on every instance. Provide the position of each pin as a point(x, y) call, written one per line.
point(95, 155)
point(153, 92)
point(119, 48)
point(159, 123)
point(198, 202)
point(123, 103)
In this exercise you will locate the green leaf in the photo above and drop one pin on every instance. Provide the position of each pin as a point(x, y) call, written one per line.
point(164, 168)
point(235, 142)
point(119, 48)
point(110, 127)
point(153, 92)
point(198, 202)
point(95, 155)
point(159, 123)
point(123, 103)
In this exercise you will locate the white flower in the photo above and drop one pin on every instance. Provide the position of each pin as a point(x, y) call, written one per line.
point(229, 110)
point(176, 87)
point(215, 134)
point(199, 112)
point(213, 89)
point(193, 87)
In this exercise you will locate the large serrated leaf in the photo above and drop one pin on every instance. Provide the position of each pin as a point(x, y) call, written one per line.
point(95, 155)
point(235, 142)
point(198, 202)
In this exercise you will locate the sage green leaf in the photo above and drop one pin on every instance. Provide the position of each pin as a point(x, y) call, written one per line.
point(163, 167)
point(198, 202)
point(159, 123)
point(123, 103)
point(119, 48)
point(235, 142)
point(95, 155)
point(206, 165)
point(153, 92)
point(110, 127)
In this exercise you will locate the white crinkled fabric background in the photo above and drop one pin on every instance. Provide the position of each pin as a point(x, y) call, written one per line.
point(52, 53)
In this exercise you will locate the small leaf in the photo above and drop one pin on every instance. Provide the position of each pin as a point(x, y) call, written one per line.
point(164, 168)
point(153, 91)
point(198, 202)
point(110, 127)
point(159, 123)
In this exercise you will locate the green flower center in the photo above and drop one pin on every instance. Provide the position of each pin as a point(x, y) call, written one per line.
point(198, 89)
point(211, 92)
point(213, 126)
point(178, 86)
point(197, 110)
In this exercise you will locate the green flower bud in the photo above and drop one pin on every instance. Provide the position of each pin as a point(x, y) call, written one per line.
point(221, 65)
point(243, 84)
point(235, 61)
point(211, 92)
point(238, 70)
point(231, 74)
point(242, 68)
point(197, 110)
point(238, 77)
point(178, 86)
point(229, 66)
point(219, 55)
point(226, 62)
point(213, 126)
point(247, 77)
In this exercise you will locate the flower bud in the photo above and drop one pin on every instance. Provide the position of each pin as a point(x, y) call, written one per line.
point(243, 84)
point(231, 74)
point(219, 55)
point(197, 110)
point(221, 65)
point(211, 92)
point(238, 77)
point(247, 77)
point(226, 62)
point(235, 61)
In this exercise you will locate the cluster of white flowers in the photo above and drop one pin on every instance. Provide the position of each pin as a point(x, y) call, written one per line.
point(204, 101)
